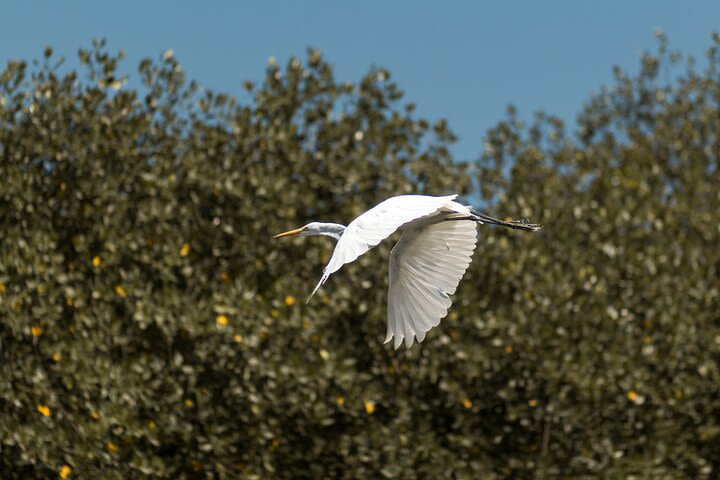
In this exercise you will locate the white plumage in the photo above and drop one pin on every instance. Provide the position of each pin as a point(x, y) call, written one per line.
point(427, 263)
point(426, 266)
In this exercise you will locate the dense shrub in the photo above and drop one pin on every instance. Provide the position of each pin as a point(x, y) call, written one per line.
point(151, 327)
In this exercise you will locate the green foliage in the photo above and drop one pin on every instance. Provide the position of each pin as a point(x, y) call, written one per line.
point(151, 327)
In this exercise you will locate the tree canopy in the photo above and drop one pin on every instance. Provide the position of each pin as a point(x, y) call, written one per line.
point(151, 327)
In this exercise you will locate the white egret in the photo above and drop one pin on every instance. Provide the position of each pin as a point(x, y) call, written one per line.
point(426, 264)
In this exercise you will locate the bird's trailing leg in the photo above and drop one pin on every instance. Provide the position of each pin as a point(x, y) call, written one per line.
point(522, 224)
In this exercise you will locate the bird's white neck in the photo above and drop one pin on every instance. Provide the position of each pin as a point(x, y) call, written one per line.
point(334, 230)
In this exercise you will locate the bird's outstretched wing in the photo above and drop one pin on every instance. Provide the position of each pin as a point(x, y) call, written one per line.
point(426, 266)
point(377, 224)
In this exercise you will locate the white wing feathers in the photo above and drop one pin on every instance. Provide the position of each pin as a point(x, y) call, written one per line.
point(426, 266)
point(377, 224)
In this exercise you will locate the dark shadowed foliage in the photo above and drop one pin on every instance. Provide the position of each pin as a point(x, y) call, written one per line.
point(152, 328)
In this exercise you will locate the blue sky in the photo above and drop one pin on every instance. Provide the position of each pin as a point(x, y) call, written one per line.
point(460, 60)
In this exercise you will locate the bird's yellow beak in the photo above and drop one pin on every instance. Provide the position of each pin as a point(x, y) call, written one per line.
point(291, 232)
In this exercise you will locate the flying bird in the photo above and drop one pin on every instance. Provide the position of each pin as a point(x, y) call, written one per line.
point(427, 263)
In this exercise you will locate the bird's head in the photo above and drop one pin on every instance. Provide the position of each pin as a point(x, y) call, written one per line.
point(316, 228)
